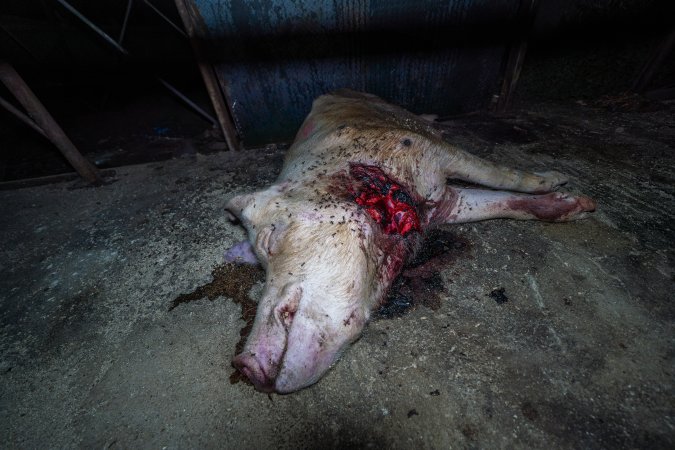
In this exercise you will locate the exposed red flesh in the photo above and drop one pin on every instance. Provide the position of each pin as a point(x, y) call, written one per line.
point(387, 203)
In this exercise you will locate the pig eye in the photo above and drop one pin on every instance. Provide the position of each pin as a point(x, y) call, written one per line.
point(288, 305)
point(286, 316)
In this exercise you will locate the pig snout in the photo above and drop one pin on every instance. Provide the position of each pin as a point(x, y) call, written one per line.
point(265, 349)
point(249, 366)
point(294, 340)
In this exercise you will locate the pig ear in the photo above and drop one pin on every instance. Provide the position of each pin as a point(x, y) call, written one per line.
point(236, 207)
point(270, 238)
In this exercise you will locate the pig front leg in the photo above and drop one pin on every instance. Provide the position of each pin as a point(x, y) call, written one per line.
point(471, 205)
point(464, 166)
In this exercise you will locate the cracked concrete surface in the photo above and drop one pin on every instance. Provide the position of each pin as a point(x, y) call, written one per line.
point(580, 355)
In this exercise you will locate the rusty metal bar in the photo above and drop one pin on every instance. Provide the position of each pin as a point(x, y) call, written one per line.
point(187, 14)
point(18, 42)
point(91, 25)
point(46, 122)
point(187, 100)
point(166, 19)
point(124, 51)
point(125, 22)
point(21, 116)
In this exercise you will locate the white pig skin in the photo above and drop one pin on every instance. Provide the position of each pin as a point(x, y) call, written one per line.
point(320, 230)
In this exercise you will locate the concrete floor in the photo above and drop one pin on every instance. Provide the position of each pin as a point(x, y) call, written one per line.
point(580, 355)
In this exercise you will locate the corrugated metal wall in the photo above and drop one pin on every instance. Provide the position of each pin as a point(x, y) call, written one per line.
point(273, 57)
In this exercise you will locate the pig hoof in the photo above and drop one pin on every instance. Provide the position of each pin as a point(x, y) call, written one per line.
point(577, 207)
point(587, 204)
point(551, 180)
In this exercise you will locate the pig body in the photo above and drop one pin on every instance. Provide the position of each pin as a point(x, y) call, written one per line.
point(360, 185)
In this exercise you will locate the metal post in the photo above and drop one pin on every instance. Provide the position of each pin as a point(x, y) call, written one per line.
point(46, 122)
point(18, 42)
point(210, 81)
point(122, 50)
point(166, 19)
point(124, 23)
point(21, 116)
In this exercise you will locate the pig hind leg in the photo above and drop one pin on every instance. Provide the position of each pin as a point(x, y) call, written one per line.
point(470, 205)
point(467, 167)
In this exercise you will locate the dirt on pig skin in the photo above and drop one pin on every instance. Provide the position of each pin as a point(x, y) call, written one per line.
point(421, 283)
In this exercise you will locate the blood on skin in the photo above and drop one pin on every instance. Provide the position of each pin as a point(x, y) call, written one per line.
point(551, 207)
point(385, 201)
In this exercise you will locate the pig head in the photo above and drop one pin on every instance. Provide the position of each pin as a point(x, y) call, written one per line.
point(320, 286)
point(360, 185)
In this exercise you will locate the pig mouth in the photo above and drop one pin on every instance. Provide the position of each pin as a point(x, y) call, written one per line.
point(264, 379)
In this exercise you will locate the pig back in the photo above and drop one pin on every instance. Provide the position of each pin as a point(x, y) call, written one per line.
point(348, 126)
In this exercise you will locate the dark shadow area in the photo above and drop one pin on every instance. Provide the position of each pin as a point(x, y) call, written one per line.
point(116, 113)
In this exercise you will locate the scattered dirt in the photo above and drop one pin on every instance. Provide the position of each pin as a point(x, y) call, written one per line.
point(470, 432)
point(529, 411)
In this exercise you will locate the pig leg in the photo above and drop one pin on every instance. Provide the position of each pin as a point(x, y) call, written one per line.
point(470, 205)
point(467, 167)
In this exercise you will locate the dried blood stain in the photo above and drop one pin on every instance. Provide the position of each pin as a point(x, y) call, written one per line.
point(232, 281)
point(421, 282)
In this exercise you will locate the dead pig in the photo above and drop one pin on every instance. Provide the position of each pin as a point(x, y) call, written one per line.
point(361, 184)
